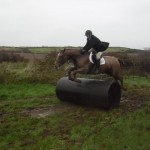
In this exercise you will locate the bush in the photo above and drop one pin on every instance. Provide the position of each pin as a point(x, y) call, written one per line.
point(43, 71)
point(134, 63)
point(35, 71)
point(145, 61)
point(11, 57)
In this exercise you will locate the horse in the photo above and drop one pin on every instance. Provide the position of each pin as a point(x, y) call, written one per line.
point(82, 65)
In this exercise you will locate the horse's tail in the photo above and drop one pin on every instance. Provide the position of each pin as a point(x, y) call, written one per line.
point(121, 62)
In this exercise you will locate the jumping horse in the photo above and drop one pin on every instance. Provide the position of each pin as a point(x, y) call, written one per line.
point(82, 65)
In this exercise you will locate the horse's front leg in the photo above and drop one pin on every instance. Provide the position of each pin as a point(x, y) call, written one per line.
point(81, 71)
point(69, 73)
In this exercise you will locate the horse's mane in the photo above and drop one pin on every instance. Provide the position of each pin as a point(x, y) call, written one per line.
point(72, 51)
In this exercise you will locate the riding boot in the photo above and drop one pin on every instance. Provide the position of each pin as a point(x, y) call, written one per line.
point(96, 62)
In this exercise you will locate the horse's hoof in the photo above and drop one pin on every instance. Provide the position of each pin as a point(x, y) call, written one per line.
point(77, 80)
point(125, 89)
point(71, 79)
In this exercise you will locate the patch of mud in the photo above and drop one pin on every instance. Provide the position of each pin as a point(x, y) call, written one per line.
point(131, 104)
point(48, 111)
point(41, 112)
point(128, 103)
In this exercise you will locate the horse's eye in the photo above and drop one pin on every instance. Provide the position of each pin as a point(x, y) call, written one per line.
point(60, 57)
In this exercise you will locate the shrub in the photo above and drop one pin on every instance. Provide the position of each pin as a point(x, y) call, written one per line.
point(11, 57)
point(35, 71)
point(145, 61)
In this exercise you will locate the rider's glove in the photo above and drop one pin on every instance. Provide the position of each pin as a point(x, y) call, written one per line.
point(82, 51)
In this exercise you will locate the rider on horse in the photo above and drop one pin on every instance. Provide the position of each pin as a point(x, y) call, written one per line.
point(95, 45)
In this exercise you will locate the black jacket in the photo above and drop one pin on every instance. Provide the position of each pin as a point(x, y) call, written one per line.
point(94, 43)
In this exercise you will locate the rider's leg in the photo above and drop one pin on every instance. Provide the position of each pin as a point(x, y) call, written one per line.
point(98, 55)
point(94, 58)
point(96, 62)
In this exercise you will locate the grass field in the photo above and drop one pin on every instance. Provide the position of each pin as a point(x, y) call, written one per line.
point(49, 49)
point(31, 117)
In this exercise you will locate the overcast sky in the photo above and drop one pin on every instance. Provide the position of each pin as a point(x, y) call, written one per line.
point(124, 23)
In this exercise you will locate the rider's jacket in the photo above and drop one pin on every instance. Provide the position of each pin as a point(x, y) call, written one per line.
point(93, 42)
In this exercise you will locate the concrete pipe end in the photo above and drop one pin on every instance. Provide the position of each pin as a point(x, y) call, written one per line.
point(114, 94)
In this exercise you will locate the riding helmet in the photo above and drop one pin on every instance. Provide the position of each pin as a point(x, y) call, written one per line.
point(88, 33)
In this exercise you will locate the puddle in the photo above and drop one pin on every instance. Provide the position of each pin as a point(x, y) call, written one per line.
point(42, 112)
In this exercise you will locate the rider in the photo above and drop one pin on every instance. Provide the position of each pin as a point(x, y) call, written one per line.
point(96, 45)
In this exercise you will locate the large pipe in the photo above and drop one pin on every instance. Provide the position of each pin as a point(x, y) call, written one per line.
point(90, 92)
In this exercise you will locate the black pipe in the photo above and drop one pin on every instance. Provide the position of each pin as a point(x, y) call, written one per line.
point(90, 92)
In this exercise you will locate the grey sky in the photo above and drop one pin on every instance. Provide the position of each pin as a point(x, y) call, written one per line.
point(63, 22)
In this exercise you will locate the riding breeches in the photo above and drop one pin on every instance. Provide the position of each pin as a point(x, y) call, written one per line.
point(98, 55)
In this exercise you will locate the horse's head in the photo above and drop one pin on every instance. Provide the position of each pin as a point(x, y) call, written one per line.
point(61, 58)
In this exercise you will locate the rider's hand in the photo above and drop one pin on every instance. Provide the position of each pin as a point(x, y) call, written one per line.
point(82, 51)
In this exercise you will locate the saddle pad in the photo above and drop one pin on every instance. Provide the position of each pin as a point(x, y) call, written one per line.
point(102, 60)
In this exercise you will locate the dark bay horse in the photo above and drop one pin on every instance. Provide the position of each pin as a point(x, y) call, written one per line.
point(82, 65)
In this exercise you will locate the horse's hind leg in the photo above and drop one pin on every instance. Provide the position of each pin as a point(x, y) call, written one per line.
point(122, 86)
point(120, 78)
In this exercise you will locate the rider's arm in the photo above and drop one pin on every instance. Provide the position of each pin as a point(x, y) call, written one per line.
point(90, 43)
point(86, 47)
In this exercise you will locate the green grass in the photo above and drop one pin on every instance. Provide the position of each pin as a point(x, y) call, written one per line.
point(118, 49)
point(26, 90)
point(77, 128)
point(15, 97)
point(138, 82)
point(49, 49)
point(111, 133)
point(54, 48)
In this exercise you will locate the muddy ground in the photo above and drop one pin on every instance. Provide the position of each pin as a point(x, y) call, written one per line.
point(128, 104)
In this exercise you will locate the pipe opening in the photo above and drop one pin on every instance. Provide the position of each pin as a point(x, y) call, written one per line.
point(114, 94)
